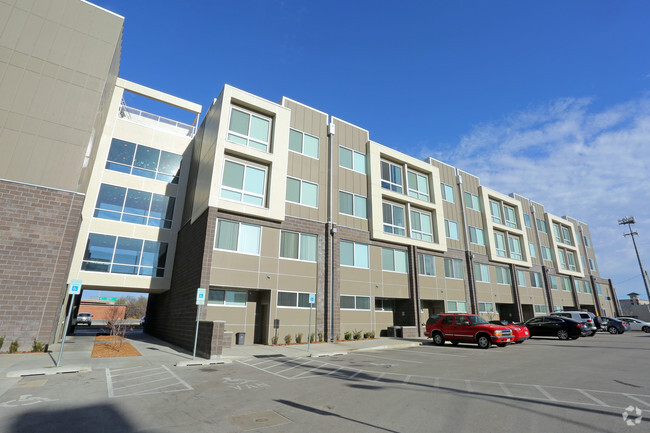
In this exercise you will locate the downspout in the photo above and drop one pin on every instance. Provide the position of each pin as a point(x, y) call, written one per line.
point(331, 230)
point(469, 256)
point(545, 278)
point(592, 280)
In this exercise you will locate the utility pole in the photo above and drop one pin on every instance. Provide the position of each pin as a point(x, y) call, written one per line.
point(629, 221)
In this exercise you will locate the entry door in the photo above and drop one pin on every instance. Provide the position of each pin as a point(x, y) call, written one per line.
point(262, 317)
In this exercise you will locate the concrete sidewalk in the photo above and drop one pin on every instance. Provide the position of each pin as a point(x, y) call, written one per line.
point(155, 352)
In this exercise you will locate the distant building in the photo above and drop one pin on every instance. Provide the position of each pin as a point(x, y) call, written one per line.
point(635, 307)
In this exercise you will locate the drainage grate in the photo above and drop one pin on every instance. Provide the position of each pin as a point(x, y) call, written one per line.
point(255, 420)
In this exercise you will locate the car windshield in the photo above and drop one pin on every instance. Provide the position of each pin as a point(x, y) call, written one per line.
point(476, 320)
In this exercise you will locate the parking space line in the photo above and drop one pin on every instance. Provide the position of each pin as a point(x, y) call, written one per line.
point(505, 389)
point(178, 378)
point(134, 372)
point(389, 359)
point(309, 371)
point(355, 374)
point(140, 383)
point(429, 351)
point(543, 391)
point(592, 397)
point(407, 379)
point(379, 377)
point(109, 383)
point(140, 377)
point(295, 366)
point(637, 399)
point(334, 371)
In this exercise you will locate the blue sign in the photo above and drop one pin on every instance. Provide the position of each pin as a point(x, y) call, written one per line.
point(200, 296)
point(75, 287)
point(312, 298)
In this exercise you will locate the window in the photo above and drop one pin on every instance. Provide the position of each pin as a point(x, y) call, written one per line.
point(476, 236)
point(355, 302)
point(558, 308)
point(556, 230)
point(541, 225)
point(546, 253)
point(352, 204)
point(302, 192)
point(303, 143)
point(457, 306)
point(586, 286)
point(485, 307)
point(391, 176)
point(482, 273)
point(599, 289)
point(515, 247)
point(592, 264)
point(243, 183)
point(394, 219)
point(509, 216)
point(451, 229)
point(239, 237)
point(532, 249)
point(577, 285)
point(427, 265)
point(562, 258)
point(393, 260)
point(536, 280)
point(120, 255)
point(418, 185)
point(503, 275)
point(472, 201)
point(500, 244)
point(566, 236)
point(453, 268)
point(587, 243)
point(495, 209)
point(521, 278)
point(572, 260)
point(384, 304)
point(352, 160)
point(299, 246)
point(553, 282)
point(421, 227)
point(143, 161)
point(133, 206)
point(227, 297)
point(447, 192)
point(582, 260)
point(354, 254)
point(293, 299)
point(527, 220)
point(540, 309)
point(566, 284)
point(249, 129)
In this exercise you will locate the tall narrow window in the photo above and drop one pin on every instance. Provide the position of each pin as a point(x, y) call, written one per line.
point(421, 227)
point(500, 244)
point(418, 185)
point(451, 229)
point(572, 261)
point(391, 176)
point(495, 209)
point(472, 201)
point(509, 215)
point(562, 258)
point(532, 249)
point(426, 265)
point(515, 247)
point(527, 220)
point(556, 230)
point(447, 192)
point(394, 219)
point(566, 236)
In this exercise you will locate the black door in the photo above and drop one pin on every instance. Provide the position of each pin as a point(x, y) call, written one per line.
point(262, 317)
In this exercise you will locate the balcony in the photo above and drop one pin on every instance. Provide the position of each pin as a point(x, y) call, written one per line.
point(154, 121)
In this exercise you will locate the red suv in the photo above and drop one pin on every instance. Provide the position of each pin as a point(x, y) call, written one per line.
point(466, 328)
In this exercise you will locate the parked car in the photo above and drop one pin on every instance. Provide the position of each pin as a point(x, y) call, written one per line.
point(84, 319)
point(636, 324)
point(466, 328)
point(142, 320)
point(556, 326)
point(585, 316)
point(519, 331)
point(613, 326)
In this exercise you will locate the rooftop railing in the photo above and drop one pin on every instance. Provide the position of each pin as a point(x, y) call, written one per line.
point(155, 121)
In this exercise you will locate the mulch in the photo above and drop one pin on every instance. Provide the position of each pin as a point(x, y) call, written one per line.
point(107, 346)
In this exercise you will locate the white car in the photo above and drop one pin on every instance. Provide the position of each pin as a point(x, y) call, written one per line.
point(636, 324)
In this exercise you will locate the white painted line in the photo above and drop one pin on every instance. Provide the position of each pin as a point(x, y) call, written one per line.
point(505, 390)
point(140, 370)
point(262, 362)
point(139, 377)
point(332, 372)
point(434, 353)
point(117, 370)
point(310, 371)
point(109, 383)
point(295, 366)
point(379, 377)
point(593, 398)
point(637, 399)
point(355, 374)
point(543, 391)
point(407, 378)
point(178, 378)
point(141, 383)
point(468, 384)
point(390, 359)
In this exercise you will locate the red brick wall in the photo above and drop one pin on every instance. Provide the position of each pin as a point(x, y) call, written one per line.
point(38, 229)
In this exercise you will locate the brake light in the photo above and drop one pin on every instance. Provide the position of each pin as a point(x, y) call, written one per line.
point(589, 320)
point(579, 325)
point(623, 323)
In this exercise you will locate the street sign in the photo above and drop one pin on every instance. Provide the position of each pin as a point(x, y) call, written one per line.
point(112, 299)
point(102, 298)
point(200, 296)
point(75, 287)
point(312, 298)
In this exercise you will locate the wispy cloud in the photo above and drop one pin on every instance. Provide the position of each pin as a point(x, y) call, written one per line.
point(591, 164)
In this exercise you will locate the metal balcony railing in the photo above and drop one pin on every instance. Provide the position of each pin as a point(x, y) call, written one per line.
point(155, 121)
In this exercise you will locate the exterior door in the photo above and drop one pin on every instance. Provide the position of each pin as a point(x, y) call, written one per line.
point(262, 317)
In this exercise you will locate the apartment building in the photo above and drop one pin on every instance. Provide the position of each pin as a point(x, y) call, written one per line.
point(263, 204)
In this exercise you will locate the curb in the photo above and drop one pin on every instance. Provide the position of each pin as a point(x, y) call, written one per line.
point(202, 362)
point(323, 354)
point(49, 371)
point(387, 346)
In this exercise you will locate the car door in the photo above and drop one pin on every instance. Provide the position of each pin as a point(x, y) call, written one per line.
point(552, 325)
point(463, 328)
point(634, 325)
point(447, 327)
point(535, 326)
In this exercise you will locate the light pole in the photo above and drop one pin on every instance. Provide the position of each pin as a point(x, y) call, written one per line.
point(629, 221)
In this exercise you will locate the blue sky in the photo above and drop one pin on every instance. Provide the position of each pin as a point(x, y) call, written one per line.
point(547, 99)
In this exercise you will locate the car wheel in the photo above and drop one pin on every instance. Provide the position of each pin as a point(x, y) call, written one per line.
point(612, 330)
point(646, 329)
point(454, 342)
point(438, 339)
point(562, 334)
point(484, 342)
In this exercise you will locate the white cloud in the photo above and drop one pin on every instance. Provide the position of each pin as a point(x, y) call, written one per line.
point(590, 164)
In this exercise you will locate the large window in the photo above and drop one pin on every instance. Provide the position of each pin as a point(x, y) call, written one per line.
point(482, 273)
point(539, 309)
point(447, 192)
point(249, 129)
point(456, 307)
point(421, 227)
point(120, 255)
point(239, 237)
point(391, 176)
point(384, 304)
point(503, 275)
point(352, 160)
point(500, 244)
point(418, 185)
point(532, 249)
point(521, 278)
point(299, 246)
point(230, 298)
point(130, 158)
point(302, 192)
point(354, 254)
point(572, 261)
point(586, 286)
point(546, 253)
point(556, 230)
point(394, 219)
point(133, 206)
point(293, 299)
point(554, 282)
point(453, 268)
point(562, 258)
point(541, 225)
point(536, 279)
point(352, 204)
point(243, 183)
point(472, 201)
point(349, 302)
point(495, 210)
point(509, 216)
point(476, 236)
point(566, 284)
point(485, 307)
point(303, 143)
point(566, 236)
point(515, 247)
point(427, 265)
point(527, 220)
point(451, 229)
point(393, 260)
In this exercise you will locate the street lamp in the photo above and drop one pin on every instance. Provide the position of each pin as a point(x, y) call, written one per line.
point(629, 221)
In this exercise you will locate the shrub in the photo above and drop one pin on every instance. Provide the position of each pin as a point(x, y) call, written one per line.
point(38, 347)
point(274, 340)
point(347, 335)
point(312, 337)
point(13, 347)
point(2, 340)
point(371, 334)
point(357, 334)
point(366, 335)
point(320, 336)
point(299, 337)
point(287, 339)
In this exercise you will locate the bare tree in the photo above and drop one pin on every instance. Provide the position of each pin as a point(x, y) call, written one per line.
point(117, 326)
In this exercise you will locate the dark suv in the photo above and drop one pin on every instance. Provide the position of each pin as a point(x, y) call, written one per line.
point(466, 328)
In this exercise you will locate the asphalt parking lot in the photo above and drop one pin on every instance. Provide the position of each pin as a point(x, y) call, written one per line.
point(543, 385)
